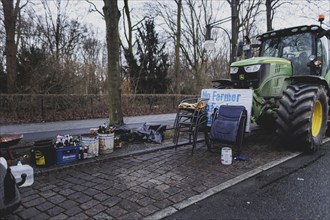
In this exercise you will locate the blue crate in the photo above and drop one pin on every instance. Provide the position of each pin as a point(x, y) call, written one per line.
point(67, 154)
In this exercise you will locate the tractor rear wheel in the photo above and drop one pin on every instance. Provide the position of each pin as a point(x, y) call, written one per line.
point(302, 116)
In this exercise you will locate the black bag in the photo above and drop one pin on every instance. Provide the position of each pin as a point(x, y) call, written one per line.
point(10, 198)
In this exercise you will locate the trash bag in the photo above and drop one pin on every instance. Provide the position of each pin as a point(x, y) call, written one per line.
point(122, 129)
point(151, 132)
point(123, 133)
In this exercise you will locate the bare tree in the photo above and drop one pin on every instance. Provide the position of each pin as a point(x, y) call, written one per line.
point(2, 39)
point(177, 49)
point(91, 49)
point(129, 35)
point(249, 12)
point(195, 15)
point(244, 14)
point(61, 34)
point(310, 9)
point(11, 13)
point(234, 28)
point(59, 37)
point(129, 29)
point(271, 7)
point(111, 16)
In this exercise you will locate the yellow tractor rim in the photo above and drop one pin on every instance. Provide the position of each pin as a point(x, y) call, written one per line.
point(317, 118)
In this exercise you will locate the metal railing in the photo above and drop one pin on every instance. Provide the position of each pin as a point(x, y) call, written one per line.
point(23, 108)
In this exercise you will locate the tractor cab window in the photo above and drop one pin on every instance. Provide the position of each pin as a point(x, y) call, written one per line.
point(322, 56)
point(296, 48)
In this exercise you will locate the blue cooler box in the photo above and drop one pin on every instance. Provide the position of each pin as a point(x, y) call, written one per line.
point(67, 154)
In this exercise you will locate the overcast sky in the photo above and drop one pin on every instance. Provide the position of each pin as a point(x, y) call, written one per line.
point(289, 15)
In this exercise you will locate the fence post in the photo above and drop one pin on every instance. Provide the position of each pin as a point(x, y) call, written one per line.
point(92, 110)
point(42, 106)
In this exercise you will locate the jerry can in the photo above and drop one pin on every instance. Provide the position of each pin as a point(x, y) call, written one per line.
point(19, 169)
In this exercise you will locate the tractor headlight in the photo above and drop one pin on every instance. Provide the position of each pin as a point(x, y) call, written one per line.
point(233, 70)
point(252, 68)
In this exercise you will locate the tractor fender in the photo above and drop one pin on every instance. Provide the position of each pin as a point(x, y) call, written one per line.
point(315, 80)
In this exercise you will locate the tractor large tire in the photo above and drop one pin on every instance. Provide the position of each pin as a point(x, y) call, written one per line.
point(302, 116)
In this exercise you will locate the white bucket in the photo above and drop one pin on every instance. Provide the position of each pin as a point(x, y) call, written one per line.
point(92, 143)
point(106, 143)
point(19, 169)
point(226, 156)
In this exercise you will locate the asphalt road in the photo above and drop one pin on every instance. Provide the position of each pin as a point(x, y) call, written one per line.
point(76, 131)
point(297, 189)
point(37, 131)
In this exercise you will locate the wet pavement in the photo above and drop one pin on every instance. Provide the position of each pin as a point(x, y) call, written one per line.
point(140, 181)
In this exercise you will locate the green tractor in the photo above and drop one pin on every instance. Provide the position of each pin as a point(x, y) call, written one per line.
point(290, 80)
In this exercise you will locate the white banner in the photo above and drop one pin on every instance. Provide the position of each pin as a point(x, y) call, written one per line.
point(219, 97)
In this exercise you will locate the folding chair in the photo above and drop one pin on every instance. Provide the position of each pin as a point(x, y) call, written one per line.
point(191, 118)
point(228, 126)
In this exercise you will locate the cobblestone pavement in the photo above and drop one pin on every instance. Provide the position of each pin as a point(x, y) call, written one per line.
point(136, 187)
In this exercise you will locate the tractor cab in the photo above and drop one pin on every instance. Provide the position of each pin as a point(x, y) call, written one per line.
point(306, 47)
point(292, 52)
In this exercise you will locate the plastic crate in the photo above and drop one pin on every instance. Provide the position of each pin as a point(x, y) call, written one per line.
point(67, 154)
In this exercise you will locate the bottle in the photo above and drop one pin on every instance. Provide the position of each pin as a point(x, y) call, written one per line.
point(81, 153)
point(19, 169)
point(85, 152)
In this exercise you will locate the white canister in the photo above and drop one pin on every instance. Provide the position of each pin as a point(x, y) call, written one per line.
point(226, 156)
point(19, 169)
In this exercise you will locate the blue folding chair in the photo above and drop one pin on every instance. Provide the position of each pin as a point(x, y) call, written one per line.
point(228, 126)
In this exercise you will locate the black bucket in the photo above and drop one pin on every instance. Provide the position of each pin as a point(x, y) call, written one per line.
point(43, 153)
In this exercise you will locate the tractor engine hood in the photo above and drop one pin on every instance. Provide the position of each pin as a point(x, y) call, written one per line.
point(259, 60)
point(259, 72)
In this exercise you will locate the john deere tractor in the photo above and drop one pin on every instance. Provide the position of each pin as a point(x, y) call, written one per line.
point(290, 79)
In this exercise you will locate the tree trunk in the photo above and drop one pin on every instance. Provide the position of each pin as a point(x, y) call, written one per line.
point(10, 20)
point(269, 15)
point(112, 15)
point(177, 50)
point(234, 29)
point(199, 80)
point(130, 28)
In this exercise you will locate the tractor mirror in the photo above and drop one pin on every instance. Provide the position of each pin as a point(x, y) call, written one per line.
point(311, 57)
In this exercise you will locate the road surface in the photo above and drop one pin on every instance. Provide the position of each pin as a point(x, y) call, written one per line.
point(297, 189)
